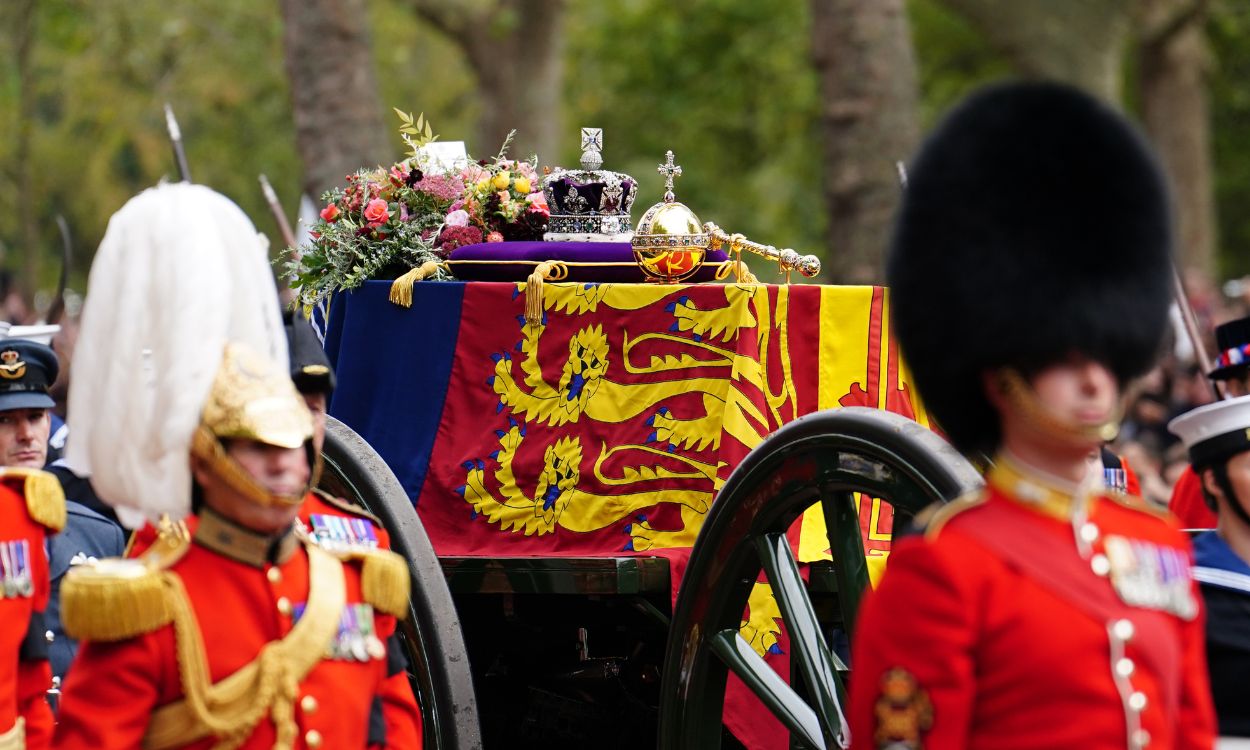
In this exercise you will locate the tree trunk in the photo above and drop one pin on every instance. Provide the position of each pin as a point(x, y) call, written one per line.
point(1080, 42)
point(28, 277)
point(337, 108)
point(869, 121)
point(516, 50)
point(1172, 68)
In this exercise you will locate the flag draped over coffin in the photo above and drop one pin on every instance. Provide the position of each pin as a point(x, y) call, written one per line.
point(607, 427)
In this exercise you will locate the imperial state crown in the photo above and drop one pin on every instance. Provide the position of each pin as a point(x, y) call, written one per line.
point(589, 204)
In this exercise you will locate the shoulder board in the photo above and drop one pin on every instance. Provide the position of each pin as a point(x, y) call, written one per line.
point(940, 515)
point(385, 582)
point(346, 506)
point(114, 599)
point(1133, 502)
point(45, 500)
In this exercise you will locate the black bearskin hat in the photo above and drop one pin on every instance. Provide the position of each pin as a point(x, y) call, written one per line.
point(1035, 225)
point(310, 367)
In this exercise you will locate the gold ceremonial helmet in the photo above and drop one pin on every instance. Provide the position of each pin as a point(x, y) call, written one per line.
point(253, 398)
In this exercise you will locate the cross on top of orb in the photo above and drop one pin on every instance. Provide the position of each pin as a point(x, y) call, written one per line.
point(592, 138)
point(669, 170)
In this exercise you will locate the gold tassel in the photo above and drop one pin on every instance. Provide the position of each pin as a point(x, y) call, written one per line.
point(112, 600)
point(45, 500)
point(385, 582)
point(401, 288)
point(548, 270)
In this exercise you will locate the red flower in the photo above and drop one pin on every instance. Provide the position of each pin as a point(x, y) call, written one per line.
point(330, 212)
point(377, 211)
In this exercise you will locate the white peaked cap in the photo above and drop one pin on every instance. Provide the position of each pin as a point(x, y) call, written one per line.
point(1215, 431)
point(180, 272)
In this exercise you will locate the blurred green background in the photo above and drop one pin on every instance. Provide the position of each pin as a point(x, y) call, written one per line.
point(729, 85)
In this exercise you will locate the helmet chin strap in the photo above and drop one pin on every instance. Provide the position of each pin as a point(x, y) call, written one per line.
point(209, 448)
point(1023, 399)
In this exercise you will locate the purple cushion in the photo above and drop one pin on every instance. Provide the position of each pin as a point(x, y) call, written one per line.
point(517, 260)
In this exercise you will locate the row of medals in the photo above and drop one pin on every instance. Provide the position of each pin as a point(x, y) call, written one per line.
point(15, 565)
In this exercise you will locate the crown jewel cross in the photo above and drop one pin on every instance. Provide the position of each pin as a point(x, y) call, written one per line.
point(669, 170)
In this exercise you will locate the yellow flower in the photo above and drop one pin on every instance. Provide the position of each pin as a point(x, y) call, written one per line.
point(483, 184)
point(501, 180)
point(522, 185)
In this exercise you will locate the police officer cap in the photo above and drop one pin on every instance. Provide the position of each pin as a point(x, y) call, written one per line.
point(1035, 226)
point(310, 367)
point(27, 370)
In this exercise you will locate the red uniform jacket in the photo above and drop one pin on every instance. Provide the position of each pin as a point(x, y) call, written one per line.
point(113, 688)
point(1188, 505)
point(400, 714)
point(999, 629)
point(25, 675)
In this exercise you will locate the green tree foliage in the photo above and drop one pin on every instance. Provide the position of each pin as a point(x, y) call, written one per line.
point(1229, 31)
point(103, 69)
point(727, 85)
point(953, 58)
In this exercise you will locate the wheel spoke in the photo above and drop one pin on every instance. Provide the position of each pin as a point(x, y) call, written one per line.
point(810, 649)
point(768, 686)
point(846, 543)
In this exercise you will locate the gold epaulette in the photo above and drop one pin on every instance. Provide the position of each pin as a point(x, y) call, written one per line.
point(934, 517)
point(385, 582)
point(384, 579)
point(348, 507)
point(45, 500)
point(114, 599)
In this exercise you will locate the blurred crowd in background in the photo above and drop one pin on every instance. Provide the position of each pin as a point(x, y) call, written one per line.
point(1179, 383)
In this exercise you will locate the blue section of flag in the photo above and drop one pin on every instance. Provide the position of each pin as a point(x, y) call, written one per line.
point(411, 376)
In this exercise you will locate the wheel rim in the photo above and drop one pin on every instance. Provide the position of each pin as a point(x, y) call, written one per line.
point(822, 458)
point(438, 660)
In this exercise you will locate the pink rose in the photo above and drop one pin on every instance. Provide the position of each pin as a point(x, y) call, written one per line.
point(457, 218)
point(330, 212)
point(538, 202)
point(377, 211)
point(494, 237)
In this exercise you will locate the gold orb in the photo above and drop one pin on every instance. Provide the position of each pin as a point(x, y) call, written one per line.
point(669, 243)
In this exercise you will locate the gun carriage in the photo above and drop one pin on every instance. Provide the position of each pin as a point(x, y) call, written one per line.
point(545, 438)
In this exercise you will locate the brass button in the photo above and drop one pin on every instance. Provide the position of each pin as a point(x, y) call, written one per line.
point(313, 738)
point(274, 575)
point(1125, 667)
point(1141, 738)
point(1123, 629)
point(49, 636)
point(1100, 565)
point(1137, 701)
point(308, 704)
point(1089, 533)
point(284, 605)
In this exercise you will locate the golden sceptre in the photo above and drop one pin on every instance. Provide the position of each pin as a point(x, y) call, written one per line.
point(787, 259)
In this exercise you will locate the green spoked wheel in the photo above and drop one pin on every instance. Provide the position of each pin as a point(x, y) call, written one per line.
point(438, 661)
point(823, 459)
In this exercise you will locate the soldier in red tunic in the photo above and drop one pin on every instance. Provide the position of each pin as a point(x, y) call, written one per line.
point(244, 632)
point(334, 523)
point(32, 508)
point(248, 632)
point(1043, 612)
